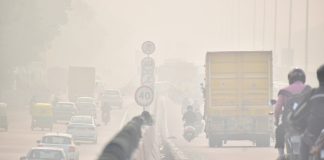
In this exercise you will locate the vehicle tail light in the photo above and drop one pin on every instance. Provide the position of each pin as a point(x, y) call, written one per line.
point(71, 149)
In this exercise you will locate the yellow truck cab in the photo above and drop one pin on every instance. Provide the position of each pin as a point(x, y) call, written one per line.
point(238, 90)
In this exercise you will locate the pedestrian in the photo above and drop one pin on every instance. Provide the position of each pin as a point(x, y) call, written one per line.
point(296, 79)
point(316, 117)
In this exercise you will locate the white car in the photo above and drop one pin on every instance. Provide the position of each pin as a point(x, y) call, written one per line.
point(45, 153)
point(60, 140)
point(82, 128)
point(112, 97)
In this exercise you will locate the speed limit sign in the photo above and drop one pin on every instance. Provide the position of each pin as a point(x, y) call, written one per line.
point(144, 96)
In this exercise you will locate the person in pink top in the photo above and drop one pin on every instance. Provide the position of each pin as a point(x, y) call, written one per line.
point(296, 79)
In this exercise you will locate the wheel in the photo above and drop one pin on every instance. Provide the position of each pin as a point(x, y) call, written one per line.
point(219, 143)
point(211, 142)
point(263, 140)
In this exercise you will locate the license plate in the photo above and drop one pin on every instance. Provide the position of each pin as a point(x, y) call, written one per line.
point(322, 154)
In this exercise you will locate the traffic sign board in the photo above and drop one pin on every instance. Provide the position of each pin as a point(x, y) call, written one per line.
point(148, 47)
point(144, 96)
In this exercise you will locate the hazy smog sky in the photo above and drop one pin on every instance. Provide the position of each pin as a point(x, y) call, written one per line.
point(108, 34)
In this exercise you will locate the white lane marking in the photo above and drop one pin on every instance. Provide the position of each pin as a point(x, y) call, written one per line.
point(122, 123)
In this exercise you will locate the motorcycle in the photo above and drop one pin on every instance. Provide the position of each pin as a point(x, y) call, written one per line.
point(293, 140)
point(317, 151)
point(189, 133)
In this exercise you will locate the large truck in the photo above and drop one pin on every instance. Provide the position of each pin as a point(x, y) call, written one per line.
point(81, 82)
point(238, 89)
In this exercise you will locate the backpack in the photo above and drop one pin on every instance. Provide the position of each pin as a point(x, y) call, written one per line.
point(295, 111)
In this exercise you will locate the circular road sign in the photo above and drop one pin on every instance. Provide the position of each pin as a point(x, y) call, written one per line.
point(148, 47)
point(144, 96)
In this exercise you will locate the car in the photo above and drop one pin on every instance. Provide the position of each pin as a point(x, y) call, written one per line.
point(82, 128)
point(63, 111)
point(60, 140)
point(86, 108)
point(85, 100)
point(45, 153)
point(112, 97)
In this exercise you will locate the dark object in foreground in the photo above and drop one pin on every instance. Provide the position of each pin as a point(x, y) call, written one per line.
point(122, 146)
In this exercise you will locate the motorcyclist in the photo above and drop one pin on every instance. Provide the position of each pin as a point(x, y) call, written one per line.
point(296, 78)
point(189, 117)
point(316, 117)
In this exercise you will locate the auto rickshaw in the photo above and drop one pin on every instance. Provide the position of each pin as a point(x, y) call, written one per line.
point(42, 116)
point(3, 116)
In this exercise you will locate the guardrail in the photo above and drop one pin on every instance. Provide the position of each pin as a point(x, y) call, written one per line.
point(130, 143)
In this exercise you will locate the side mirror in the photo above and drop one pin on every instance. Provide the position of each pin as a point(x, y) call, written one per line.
point(38, 141)
point(98, 125)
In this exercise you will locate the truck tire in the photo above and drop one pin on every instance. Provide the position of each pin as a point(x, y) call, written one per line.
point(215, 142)
point(263, 140)
point(211, 142)
point(219, 143)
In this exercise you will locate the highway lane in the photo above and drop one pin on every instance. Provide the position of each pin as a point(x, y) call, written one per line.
point(198, 149)
point(19, 139)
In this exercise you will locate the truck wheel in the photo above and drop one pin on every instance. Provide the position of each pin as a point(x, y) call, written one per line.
point(211, 142)
point(219, 143)
point(263, 140)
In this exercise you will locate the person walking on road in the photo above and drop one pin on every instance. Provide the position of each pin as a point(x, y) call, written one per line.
point(315, 119)
point(296, 79)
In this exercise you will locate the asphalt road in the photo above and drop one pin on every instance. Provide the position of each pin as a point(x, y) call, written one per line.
point(19, 139)
point(198, 148)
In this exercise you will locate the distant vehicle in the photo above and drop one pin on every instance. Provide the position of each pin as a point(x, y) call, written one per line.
point(86, 108)
point(82, 120)
point(86, 100)
point(63, 141)
point(63, 111)
point(3, 116)
point(42, 116)
point(81, 82)
point(237, 94)
point(112, 97)
point(45, 153)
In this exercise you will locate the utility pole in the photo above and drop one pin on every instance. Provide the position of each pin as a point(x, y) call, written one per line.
point(290, 21)
point(264, 23)
point(306, 36)
point(254, 25)
point(275, 31)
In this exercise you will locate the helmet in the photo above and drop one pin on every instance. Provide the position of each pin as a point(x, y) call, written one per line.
point(320, 74)
point(296, 74)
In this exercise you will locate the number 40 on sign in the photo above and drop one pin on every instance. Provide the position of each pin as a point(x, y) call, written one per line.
point(144, 96)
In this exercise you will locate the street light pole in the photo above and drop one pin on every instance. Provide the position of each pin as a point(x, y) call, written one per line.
point(306, 36)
